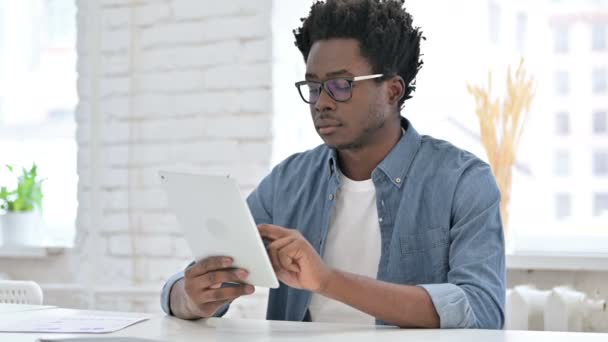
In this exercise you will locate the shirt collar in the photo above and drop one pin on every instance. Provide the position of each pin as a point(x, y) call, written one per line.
point(398, 161)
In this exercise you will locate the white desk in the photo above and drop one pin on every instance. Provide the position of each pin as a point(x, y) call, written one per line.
point(225, 329)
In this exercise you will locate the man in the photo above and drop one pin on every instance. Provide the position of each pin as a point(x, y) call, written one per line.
point(378, 225)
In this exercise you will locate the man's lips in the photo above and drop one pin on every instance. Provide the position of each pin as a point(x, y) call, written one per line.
point(327, 125)
point(327, 129)
point(326, 122)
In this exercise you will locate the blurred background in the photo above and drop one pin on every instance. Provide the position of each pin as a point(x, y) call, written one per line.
point(103, 94)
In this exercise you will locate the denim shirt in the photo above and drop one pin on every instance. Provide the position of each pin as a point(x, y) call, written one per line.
point(440, 226)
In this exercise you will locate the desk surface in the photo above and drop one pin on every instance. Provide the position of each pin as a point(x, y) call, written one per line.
point(172, 329)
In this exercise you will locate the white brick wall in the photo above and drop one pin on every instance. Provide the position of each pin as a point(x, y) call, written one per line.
point(161, 83)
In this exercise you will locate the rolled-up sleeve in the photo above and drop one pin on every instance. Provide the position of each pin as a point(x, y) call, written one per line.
point(474, 296)
point(165, 294)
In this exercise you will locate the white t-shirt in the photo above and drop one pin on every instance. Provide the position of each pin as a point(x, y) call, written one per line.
point(353, 245)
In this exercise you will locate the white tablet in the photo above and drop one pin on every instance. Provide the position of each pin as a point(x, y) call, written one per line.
point(216, 221)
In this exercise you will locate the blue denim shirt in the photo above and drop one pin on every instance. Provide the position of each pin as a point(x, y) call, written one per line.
point(438, 209)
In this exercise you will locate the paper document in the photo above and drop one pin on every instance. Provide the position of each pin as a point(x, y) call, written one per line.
point(67, 321)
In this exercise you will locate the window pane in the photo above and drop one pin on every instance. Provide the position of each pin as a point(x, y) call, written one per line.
point(61, 22)
point(562, 163)
point(600, 122)
point(37, 102)
point(563, 206)
point(494, 13)
point(600, 163)
point(521, 30)
point(600, 80)
point(599, 36)
point(560, 38)
point(600, 204)
point(562, 124)
point(562, 83)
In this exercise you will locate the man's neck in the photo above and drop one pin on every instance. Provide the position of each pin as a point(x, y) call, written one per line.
point(358, 164)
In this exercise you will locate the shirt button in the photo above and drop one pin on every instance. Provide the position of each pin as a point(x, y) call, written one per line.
point(380, 220)
point(398, 180)
point(331, 197)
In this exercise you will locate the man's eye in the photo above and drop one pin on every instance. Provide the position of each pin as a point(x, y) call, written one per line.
point(340, 84)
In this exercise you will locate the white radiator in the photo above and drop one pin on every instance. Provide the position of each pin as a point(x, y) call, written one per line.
point(559, 309)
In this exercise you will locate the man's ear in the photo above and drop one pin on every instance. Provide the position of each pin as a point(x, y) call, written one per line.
point(396, 89)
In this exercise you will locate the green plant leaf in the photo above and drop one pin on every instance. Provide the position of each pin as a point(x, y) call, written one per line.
point(28, 194)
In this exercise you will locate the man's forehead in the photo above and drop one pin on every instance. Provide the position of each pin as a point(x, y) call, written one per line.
point(335, 57)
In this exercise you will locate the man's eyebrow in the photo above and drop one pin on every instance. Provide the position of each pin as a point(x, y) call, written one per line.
point(329, 74)
point(338, 73)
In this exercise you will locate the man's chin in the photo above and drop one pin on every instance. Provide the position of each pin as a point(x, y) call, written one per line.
point(341, 145)
point(332, 142)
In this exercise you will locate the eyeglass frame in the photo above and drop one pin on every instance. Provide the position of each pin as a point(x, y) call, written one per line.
point(323, 84)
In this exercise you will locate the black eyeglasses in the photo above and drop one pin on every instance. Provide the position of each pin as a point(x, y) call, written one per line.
point(339, 89)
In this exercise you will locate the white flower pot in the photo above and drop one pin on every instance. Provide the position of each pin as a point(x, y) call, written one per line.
point(19, 228)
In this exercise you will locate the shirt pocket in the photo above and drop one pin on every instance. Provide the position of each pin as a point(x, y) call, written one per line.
point(425, 255)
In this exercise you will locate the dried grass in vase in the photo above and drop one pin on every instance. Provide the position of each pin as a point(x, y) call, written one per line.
point(501, 127)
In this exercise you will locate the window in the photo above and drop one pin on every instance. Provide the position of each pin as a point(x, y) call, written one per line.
point(494, 13)
point(562, 124)
point(521, 30)
point(600, 122)
point(562, 83)
point(563, 206)
point(562, 163)
point(599, 36)
point(60, 22)
point(37, 102)
point(600, 163)
point(600, 80)
point(600, 204)
point(560, 38)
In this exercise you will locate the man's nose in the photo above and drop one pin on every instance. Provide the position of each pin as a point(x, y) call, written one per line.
point(324, 102)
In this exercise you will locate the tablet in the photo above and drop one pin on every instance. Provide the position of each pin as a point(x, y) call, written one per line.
point(216, 221)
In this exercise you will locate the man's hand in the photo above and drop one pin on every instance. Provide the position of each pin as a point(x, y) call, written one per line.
point(202, 286)
point(295, 261)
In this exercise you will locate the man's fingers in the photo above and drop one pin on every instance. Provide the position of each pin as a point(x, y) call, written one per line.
point(274, 247)
point(208, 265)
point(210, 279)
point(278, 244)
point(225, 293)
point(213, 280)
point(273, 232)
point(273, 253)
point(292, 252)
point(274, 259)
point(280, 253)
point(286, 257)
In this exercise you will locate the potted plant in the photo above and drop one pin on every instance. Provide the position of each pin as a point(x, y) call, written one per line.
point(22, 207)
